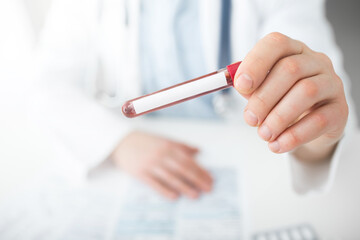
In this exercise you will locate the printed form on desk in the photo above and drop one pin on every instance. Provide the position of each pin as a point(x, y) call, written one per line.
point(146, 215)
point(56, 211)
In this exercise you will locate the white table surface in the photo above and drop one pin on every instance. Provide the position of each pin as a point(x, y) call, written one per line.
point(270, 201)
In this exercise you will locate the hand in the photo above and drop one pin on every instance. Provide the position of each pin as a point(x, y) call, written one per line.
point(168, 167)
point(295, 97)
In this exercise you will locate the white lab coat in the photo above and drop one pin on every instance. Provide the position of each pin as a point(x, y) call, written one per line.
point(89, 59)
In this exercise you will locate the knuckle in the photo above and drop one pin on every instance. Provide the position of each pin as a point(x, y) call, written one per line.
point(259, 101)
point(290, 66)
point(325, 59)
point(309, 88)
point(279, 119)
point(321, 120)
point(278, 38)
point(293, 138)
point(259, 105)
point(339, 85)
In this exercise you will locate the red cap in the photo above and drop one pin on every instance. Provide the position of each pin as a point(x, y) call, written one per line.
point(232, 68)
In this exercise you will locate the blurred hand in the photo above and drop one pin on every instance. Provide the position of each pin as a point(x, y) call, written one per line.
point(295, 97)
point(168, 167)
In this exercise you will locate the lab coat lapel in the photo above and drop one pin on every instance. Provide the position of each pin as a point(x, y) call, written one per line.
point(210, 30)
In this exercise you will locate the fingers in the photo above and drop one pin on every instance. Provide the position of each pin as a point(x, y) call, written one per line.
point(291, 91)
point(187, 148)
point(159, 186)
point(175, 182)
point(186, 168)
point(302, 97)
point(261, 59)
point(308, 128)
point(169, 168)
point(178, 174)
point(281, 78)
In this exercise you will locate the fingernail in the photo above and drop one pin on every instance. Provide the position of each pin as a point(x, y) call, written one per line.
point(274, 146)
point(243, 83)
point(265, 132)
point(250, 118)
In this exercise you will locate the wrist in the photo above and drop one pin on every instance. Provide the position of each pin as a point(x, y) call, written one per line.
point(315, 151)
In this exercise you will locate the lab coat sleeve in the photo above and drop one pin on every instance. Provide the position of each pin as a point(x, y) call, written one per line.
point(90, 131)
point(306, 21)
point(61, 100)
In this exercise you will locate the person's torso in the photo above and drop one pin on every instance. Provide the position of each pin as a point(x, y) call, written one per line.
point(175, 41)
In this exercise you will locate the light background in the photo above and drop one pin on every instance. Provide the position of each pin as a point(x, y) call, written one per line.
point(22, 147)
point(343, 15)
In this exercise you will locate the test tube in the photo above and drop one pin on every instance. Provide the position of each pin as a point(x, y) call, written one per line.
point(181, 92)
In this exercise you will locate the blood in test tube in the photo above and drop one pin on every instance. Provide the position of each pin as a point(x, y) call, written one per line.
point(181, 92)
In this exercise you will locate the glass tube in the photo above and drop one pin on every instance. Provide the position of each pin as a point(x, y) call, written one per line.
point(181, 92)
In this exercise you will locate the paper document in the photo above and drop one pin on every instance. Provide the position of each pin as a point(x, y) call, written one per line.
point(217, 215)
point(56, 210)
